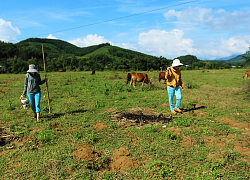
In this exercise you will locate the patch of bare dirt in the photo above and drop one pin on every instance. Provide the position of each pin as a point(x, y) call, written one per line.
point(187, 142)
point(215, 156)
point(90, 104)
point(175, 131)
point(234, 123)
point(111, 109)
point(73, 128)
point(120, 161)
point(242, 143)
point(100, 126)
point(139, 117)
point(164, 105)
point(11, 141)
point(35, 129)
point(200, 114)
point(211, 140)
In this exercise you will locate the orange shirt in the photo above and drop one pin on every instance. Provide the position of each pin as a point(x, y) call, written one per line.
point(173, 78)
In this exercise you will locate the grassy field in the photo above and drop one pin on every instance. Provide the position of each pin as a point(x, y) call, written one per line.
point(101, 128)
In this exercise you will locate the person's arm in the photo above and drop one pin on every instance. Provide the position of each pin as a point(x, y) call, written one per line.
point(167, 72)
point(25, 85)
point(40, 82)
point(182, 84)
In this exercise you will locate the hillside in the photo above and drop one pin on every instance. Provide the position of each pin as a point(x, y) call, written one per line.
point(237, 59)
point(61, 55)
point(56, 46)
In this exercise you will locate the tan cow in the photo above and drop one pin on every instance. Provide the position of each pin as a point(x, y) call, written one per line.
point(139, 77)
point(247, 74)
point(162, 76)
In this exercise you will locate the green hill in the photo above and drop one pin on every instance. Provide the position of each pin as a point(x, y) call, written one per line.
point(56, 47)
point(15, 58)
point(238, 59)
point(63, 55)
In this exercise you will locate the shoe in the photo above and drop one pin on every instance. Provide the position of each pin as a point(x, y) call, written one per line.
point(178, 110)
point(173, 112)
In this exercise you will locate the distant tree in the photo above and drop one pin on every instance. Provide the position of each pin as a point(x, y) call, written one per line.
point(248, 56)
point(188, 59)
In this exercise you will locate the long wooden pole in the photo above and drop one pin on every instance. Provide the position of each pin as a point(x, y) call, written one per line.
point(46, 77)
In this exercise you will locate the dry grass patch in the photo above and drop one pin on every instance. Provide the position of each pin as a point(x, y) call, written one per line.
point(100, 126)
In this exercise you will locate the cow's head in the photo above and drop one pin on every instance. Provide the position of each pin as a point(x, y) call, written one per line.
point(128, 78)
point(148, 81)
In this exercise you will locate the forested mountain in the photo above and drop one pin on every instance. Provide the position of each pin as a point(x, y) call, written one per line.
point(15, 58)
point(238, 59)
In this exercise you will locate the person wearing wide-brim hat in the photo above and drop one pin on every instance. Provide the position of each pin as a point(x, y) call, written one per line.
point(32, 88)
point(173, 77)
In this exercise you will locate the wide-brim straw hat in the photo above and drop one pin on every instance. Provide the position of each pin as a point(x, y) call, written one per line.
point(32, 68)
point(176, 62)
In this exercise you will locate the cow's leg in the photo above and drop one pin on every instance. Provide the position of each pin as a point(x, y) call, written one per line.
point(134, 83)
point(130, 81)
point(143, 82)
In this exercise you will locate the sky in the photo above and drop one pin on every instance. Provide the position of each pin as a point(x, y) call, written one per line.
point(207, 29)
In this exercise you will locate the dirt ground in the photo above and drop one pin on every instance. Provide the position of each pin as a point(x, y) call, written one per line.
point(143, 116)
point(120, 159)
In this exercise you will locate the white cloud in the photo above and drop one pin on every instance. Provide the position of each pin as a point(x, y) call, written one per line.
point(7, 32)
point(213, 19)
point(128, 46)
point(50, 36)
point(163, 43)
point(236, 44)
point(226, 47)
point(89, 40)
point(214, 33)
point(174, 43)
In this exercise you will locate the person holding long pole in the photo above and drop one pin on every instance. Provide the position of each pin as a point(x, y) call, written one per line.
point(32, 88)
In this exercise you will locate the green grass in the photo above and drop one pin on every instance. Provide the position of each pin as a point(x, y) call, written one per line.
point(211, 140)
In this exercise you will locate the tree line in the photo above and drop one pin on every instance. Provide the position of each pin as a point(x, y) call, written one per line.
point(61, 55)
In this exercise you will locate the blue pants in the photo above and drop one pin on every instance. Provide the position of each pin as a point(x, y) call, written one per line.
point(177, 92)
point(35, 102)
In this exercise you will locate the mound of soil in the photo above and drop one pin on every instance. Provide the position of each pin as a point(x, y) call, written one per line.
point(120, 160)
point(85, 153)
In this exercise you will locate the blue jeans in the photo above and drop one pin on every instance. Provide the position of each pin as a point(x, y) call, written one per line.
point(177, 92)
point(35, 102)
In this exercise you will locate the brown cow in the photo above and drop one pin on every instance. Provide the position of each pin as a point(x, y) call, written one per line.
point(162, 76)
point(247, 74)
point(139, 77)
point(93, 72)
